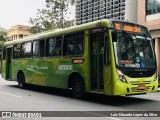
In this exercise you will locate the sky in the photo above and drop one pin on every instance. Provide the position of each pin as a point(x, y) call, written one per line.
point(18, 12)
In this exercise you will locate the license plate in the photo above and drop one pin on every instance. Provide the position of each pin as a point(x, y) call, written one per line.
point(141, 87)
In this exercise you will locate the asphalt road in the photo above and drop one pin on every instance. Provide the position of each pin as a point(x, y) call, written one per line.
point(36, 98)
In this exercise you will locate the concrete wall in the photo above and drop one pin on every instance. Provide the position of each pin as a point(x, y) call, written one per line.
point(131, 10)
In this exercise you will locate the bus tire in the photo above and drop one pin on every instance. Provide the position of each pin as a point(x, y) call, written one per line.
point(78, 87)
point(21, 80)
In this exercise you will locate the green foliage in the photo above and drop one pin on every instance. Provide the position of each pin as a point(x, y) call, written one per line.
point(3, 34)
point(54, 16)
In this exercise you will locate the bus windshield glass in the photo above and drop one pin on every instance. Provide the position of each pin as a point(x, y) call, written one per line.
point(134, 51)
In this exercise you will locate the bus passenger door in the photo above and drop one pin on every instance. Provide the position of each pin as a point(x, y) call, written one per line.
point(8, 63)
point(97, 62)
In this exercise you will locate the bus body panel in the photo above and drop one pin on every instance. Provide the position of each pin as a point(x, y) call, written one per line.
point(53, 72)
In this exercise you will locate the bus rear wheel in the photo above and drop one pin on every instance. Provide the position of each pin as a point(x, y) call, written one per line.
point(21, 80)
point(78, 88)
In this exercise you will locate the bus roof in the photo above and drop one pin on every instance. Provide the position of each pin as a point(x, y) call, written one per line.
point(56, 32)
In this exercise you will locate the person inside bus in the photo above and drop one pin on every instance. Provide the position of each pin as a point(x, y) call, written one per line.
point(128, 54)
point(69, 48)
point(131, 54)
point(124, 55)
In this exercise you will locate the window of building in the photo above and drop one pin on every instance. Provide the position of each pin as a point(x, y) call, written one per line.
point(153, 7)
point(38, 48)
point(16, 51)
point(26, 50)
point(20, 36)
point(73, 44)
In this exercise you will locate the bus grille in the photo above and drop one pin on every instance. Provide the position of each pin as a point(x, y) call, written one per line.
point(140, 82)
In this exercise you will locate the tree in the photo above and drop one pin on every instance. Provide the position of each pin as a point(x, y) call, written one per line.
point(3, 34)
point(54, 16)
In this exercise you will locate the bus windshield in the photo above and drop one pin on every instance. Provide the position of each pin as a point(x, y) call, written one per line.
point(134, 51)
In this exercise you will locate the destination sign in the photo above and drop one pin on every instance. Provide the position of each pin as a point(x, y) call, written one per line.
point(130, 27)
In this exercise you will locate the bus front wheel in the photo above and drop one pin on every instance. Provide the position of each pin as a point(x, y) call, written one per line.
point(21, 80)
point(78, 88)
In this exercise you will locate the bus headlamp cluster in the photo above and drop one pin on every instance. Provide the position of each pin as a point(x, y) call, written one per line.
point(121, 76)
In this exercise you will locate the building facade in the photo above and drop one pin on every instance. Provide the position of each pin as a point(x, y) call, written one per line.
point(92, 10)
point(17, 32)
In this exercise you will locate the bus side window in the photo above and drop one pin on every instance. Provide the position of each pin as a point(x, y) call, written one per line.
point(54, 46)
point(16, 51)
point(26, 50)
point(49, 47)
point(42, 48)
point(73, 44)
point(35, 49)
point(38, 48)
point(58, 46)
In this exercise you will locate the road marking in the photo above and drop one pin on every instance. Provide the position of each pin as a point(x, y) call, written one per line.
point(102, 116)
point(11, 94)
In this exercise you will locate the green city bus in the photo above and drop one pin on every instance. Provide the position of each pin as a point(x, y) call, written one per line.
point(100, 57)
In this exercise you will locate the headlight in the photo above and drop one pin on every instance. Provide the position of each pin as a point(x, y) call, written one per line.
point(121, 76)
point(155, 76)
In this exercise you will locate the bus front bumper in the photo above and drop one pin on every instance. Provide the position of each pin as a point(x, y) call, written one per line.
point(121, 88)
